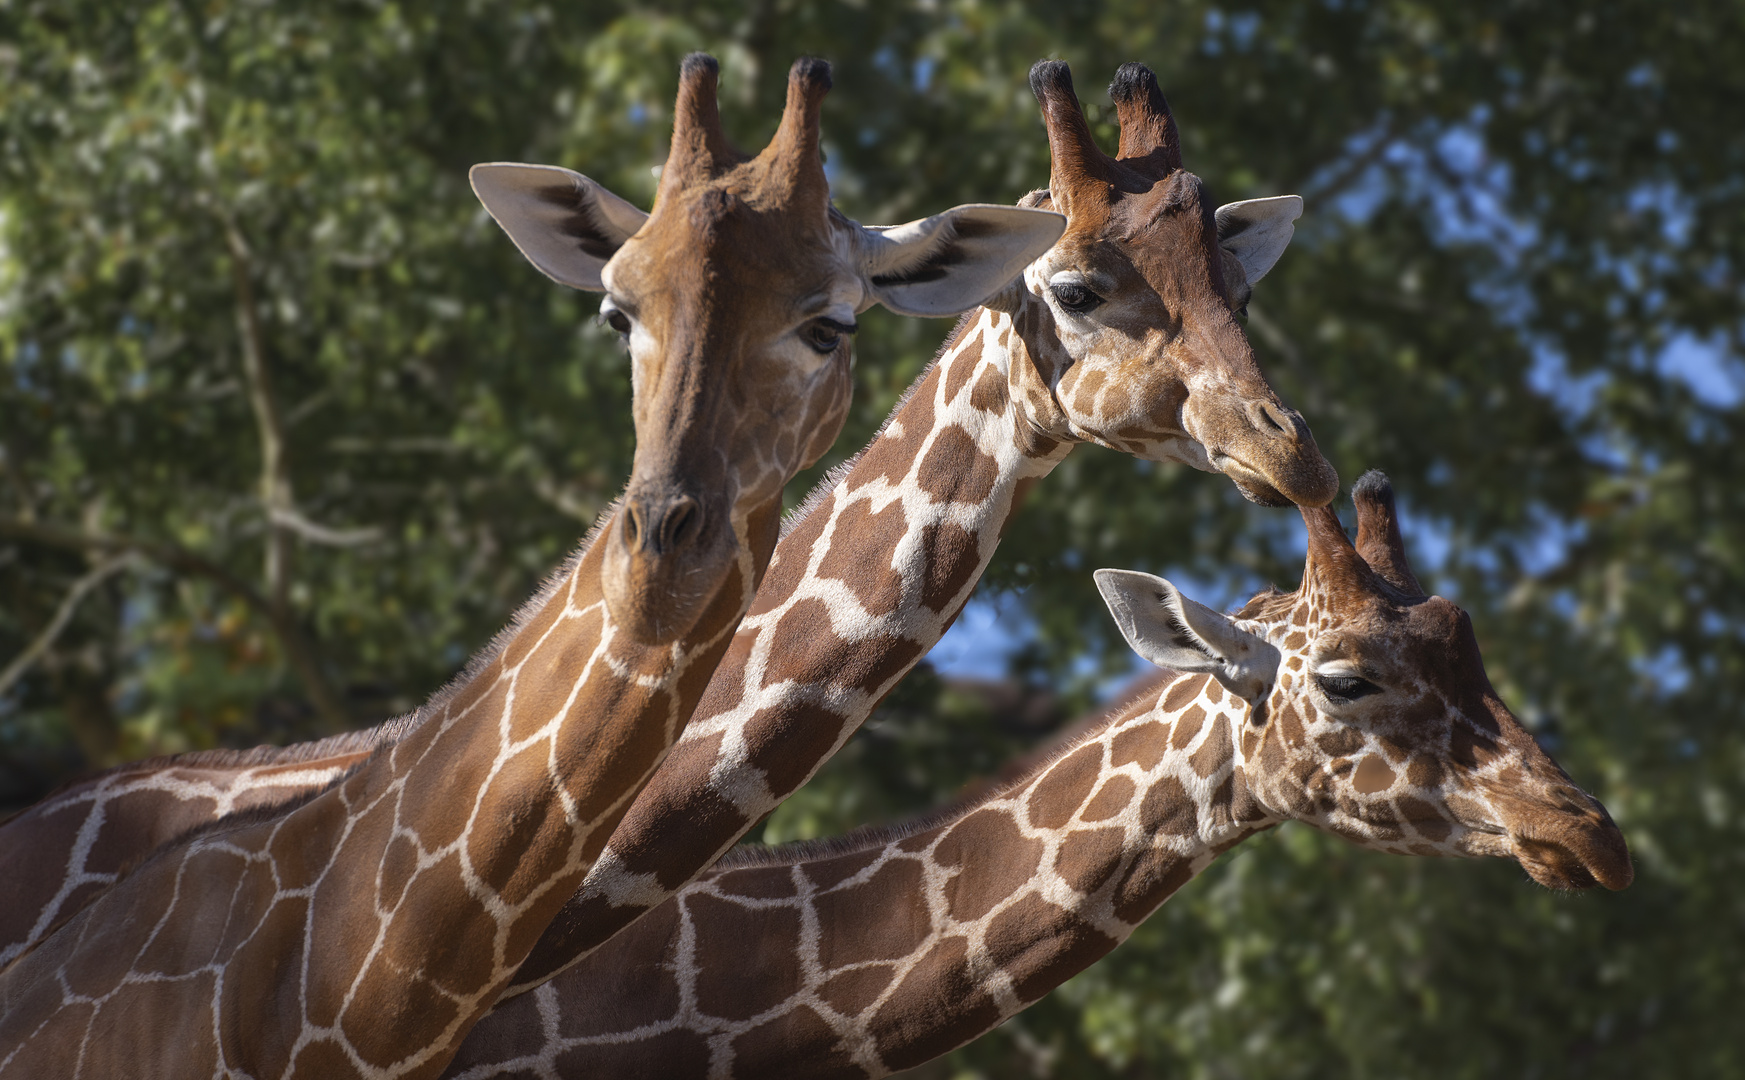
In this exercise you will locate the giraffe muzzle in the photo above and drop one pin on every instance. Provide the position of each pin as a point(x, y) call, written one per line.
point(1265, 449)
point(667, 556)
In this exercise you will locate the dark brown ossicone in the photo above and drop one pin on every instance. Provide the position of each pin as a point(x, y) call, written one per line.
point(1147, 126)
point(700, 150)
point(1378, 532)
point(1333, 562)
point(1071, 146)
point(793, 152)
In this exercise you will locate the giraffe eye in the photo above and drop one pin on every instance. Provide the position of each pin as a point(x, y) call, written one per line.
point(824, 335)
point(1075, 297)
point(1344, 688)
point(613, 317)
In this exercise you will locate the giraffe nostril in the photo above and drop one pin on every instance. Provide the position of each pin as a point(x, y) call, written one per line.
point(683, 521)
point(1271, 419)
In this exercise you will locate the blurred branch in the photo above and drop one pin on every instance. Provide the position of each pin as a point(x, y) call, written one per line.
point(321, 534)
point(299, 651)
point(63, 615)
point(275, 467)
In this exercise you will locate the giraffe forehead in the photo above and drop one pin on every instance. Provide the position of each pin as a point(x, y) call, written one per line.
point(738, 258)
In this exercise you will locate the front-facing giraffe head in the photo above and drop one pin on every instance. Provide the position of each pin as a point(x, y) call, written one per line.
point(1145, 288)
point(737, 297)
point(1370, 712)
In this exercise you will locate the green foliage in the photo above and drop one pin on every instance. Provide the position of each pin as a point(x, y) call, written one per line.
point(1513, 211)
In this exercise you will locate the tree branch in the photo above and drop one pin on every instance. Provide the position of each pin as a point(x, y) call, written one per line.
point(275, 482)
point(63, 615)
point(321, 534)
point(299, 651)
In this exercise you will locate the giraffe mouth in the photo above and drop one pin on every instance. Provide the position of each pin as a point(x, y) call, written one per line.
point(1580, 859)
point(1249, 481)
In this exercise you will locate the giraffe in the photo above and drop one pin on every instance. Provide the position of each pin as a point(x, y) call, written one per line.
point(363, 928)
point(578, 233)
point(1356, 705)
point(1123, 335)
point(906, 530)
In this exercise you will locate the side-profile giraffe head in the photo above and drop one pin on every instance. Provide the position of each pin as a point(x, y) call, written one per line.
point(1370, 712)
point(737, 297)
point(1145, 288)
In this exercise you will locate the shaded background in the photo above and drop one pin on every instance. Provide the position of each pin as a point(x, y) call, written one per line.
point(288, 428)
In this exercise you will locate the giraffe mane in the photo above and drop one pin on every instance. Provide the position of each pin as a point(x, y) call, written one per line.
point(749, 856)
point(1268, 604)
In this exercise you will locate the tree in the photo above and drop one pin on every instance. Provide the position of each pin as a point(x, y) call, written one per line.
point(287, 429)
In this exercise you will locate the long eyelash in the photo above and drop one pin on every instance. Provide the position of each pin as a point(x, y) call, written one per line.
point(840, 328)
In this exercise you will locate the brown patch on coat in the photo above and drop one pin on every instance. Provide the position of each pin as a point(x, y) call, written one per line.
point(890, 457)
point(873, 580)
point(1144, 744)
point(938, 1006)
point(953, 558)
point(956, 470)
point(1339, 742)
point(1215, 752)
point(1087, 858)
point(1056, 797)
point(980, 882)
point(1184, 690)
point(670, 1053)
point(827, 873)
point(1114, 797)
point(851, 992)
point(758, 883)
point(796, 1043)
point(377, 1043)
point(961, 363)
point(1037, 963)
point(1187, 726)
point(1154, 875)
point(1167, 809)
point(1425, 772)
point(882, 918)
point(733, 940)
point(989, 393)
point(785, 743)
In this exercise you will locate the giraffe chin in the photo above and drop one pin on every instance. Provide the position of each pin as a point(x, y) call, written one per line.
point(1316, 487)
point(1572, 863)
point(1253, 486)
point(658, 598)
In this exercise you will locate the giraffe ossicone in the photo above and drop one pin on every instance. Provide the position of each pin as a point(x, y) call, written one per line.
point(879, 951)
point(362, 928)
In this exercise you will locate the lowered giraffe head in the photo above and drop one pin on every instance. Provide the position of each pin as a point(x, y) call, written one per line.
point(1370, 712)
point(737, 297)
point(1145, 288)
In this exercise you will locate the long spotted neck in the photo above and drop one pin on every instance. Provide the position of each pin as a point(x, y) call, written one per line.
point(869, 578)
point(365, 931)
point(866, 957)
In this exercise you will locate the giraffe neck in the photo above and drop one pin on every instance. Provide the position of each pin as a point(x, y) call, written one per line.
point(369, 927)
point(869, 578)
point(871, 955)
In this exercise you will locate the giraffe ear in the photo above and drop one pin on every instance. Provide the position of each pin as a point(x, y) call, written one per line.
point(567, 225)
point(1174, 632)
point(1256, 231)
point(951, 262)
